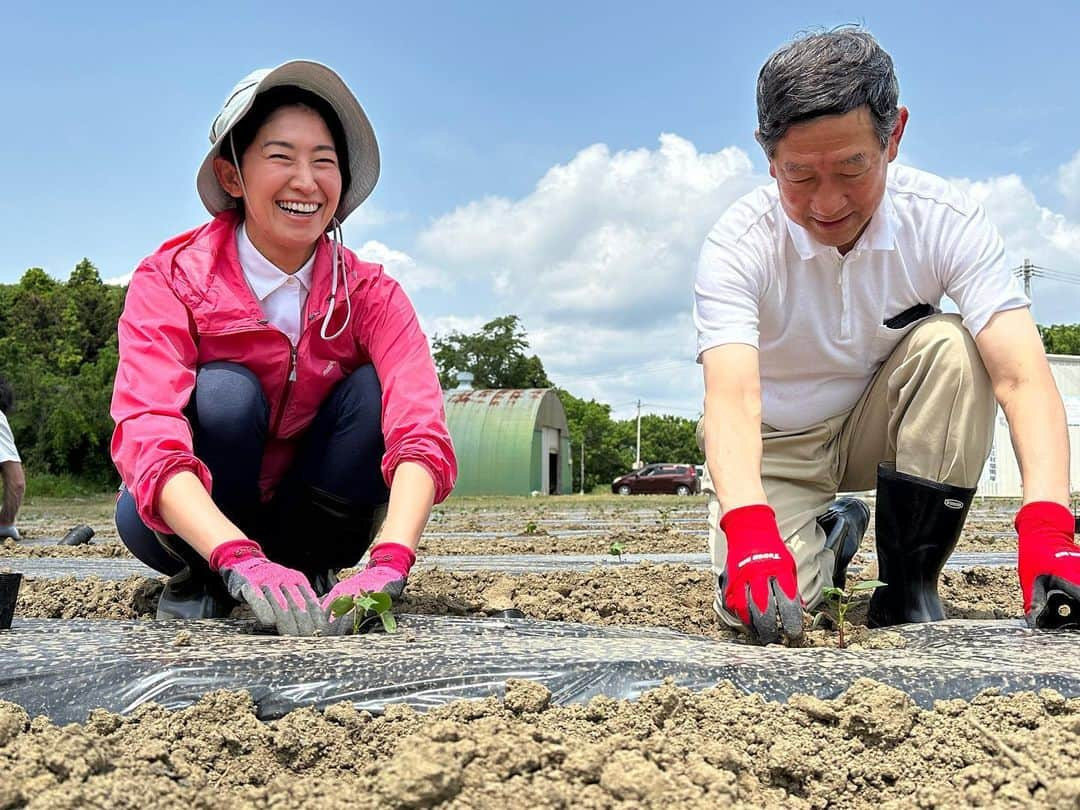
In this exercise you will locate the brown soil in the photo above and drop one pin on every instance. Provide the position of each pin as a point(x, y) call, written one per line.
point(672, 596)
point(644, 524)
point(646, 540)
point(9, 548)
point(871, 747)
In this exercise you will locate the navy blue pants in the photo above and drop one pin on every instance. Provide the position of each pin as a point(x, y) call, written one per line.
point(321, 514)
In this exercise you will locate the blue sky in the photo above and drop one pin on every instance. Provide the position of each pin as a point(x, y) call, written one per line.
point(521, 140)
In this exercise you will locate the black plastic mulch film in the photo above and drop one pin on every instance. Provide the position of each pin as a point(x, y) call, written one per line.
point(64, 669)
point(120, 567)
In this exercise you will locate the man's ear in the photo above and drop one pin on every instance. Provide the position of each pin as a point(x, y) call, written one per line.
point(228, 176)
point(897, 133)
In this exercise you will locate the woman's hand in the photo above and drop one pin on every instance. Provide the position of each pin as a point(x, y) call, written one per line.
point(277, 595)
point(387, 571)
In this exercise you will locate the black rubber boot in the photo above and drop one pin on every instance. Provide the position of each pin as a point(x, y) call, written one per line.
point(917, 525)
point(194, 593)
point(845, 523)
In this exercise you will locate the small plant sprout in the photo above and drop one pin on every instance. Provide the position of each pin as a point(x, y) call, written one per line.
point(532, 527)
point(616, 549)
point(664, 515)
point(840, 601)
point(365, 607)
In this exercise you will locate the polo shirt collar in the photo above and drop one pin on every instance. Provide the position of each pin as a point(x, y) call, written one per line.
point(262, 274)
point(880, 233)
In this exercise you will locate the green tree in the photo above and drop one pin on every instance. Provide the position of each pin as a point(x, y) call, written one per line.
point(1061, 338)
point(495, 356)
point(58, 349)
point(591, 420)
point(668, 438)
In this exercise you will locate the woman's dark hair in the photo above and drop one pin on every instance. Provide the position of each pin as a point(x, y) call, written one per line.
point(287, 96)
point(7, 396)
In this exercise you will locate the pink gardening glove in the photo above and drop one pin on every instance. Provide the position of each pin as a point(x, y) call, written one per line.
point(387, 571)
point(278, 596)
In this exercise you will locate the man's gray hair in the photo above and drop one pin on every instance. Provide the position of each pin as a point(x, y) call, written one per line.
point(830, 73)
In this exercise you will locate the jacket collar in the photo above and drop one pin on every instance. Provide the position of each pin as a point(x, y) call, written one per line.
point(262, 274)
point(880, 233)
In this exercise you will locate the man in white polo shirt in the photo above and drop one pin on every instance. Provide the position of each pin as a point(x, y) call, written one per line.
point(829, 366)
point(11, 469)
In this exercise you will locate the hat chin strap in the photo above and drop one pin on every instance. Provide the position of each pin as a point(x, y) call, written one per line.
point(236, 163)
point(336, 260)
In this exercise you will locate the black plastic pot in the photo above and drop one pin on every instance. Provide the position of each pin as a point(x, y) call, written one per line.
point(9, 592)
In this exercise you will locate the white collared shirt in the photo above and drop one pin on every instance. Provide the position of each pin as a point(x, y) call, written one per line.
point(8, 452)
point(281, 295)
point(816, 317)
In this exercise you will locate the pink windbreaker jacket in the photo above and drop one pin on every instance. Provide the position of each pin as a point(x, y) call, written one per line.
point(189, 304)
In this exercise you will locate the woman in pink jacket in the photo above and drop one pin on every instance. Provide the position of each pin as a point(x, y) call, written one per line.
point(275, 396)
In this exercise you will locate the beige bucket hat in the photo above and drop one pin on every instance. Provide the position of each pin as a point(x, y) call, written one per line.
point(360, 140)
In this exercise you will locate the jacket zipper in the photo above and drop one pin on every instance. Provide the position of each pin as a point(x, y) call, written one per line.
point(286, 389)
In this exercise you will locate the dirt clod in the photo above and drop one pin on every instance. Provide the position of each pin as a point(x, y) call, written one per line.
point(526, 696)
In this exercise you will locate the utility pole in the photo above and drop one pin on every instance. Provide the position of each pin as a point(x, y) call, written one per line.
point(583, 463)
point(1027, 271)
point(637, 464)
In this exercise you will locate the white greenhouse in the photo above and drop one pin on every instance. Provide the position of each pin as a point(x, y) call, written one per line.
point(1001, 475)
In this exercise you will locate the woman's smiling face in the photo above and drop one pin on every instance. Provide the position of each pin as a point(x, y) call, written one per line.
point(291, 185)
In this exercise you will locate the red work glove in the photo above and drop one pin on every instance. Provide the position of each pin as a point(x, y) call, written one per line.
point(278, 596)
point(759, 584)
point(1049, 563)
point(387, 571)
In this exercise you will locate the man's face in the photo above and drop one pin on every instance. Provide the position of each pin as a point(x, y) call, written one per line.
point(831, 174)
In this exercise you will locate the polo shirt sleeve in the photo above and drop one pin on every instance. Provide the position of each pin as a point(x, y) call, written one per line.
point(729, 284)
point(8, 452)
point(974, 272)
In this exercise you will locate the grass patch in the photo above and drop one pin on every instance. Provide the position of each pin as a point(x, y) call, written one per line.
point(49, 485)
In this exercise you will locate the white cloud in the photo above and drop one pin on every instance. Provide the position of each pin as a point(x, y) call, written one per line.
point(1032, 231)
point(598, 261)
point(610, 236)
point(1068, 180)
point(411, 274)
point(119, 281)
point(368, 216)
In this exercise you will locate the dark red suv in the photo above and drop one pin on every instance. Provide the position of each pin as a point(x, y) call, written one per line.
point(671, 479)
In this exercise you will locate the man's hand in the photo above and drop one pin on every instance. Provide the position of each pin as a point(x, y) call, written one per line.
point(1049, 563)
point(12, 532)
point(387, 571)
point(759, 583)
point(277, 595)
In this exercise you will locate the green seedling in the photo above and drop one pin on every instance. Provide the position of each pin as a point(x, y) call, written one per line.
point(664, 514)
point(365, 607)
point(616, 549)
point(840, 602)
point(531, 527)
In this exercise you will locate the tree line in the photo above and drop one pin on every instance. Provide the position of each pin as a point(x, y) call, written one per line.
point(58, 350)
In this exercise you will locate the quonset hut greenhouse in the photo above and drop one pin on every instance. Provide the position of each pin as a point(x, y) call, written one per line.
point(509, 441)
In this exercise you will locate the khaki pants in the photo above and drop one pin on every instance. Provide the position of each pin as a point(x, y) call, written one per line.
point(930, 409)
